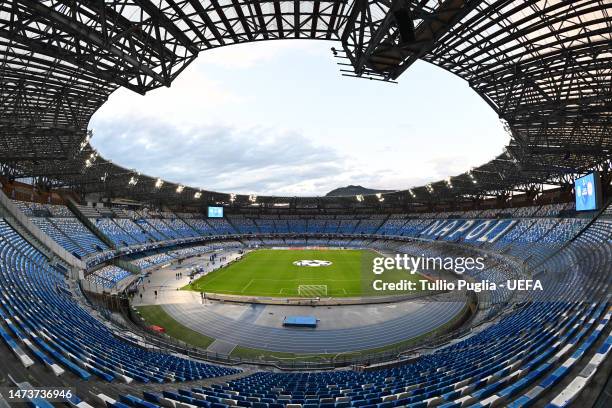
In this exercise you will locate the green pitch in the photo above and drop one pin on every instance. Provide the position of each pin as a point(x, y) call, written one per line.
point(272, 273)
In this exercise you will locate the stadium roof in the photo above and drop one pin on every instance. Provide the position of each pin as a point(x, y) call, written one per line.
point(544, 66)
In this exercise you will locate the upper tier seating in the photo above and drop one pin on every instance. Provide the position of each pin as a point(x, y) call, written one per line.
point(89, 212)
point(43, 210)
point(489, 213)
point(514, 235)
point(243, 225)
point(114, 232)
point(392, 226)
point(30, 209)
point(201, 226)
point(151, 231)
point(553, 210)
point(523, 212)
point(59, 223)
point(80, 234)
point(265, 226)
point(221, 226)
point(133, 229)
point(149, 226)
point(58, 236)
point(368, 226)
point(159, 227)
point(181, 228)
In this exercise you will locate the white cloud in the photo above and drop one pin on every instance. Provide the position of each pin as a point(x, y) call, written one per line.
point(219, 158)
point(277, 118)
point(196, 97)
point(191, 100)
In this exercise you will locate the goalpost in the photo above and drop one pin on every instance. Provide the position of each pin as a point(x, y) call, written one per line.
point(312, 291)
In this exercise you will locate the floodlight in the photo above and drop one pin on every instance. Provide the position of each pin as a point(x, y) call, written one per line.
point(91, 160)
point(86, 140)
point(472, 177)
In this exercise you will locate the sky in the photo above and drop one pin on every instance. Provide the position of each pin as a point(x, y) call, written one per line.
point(277, 118)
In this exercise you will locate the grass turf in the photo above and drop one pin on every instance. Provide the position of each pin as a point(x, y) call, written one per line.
point(156, 316)
point(271, 272)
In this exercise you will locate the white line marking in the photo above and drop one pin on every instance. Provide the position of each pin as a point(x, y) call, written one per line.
point(247, 285)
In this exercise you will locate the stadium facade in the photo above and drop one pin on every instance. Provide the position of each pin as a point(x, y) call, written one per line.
point(80, 235)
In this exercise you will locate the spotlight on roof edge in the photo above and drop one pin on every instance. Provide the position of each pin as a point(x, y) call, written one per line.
point(197, 195)
point(232, 197)
point(472, 177)
point(359, 197)
point(133, 181)
point(180, 189)
point(449, 182)
point(412, 193)
point(86, 140)
point(380, 197)
point(159, 183)
point(91, 160)
point(253, 198)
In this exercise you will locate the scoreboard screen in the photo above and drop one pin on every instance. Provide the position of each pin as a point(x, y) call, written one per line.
point(215, 212)
point(588, 192)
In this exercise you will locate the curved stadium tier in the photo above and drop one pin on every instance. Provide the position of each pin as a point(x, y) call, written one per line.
point(520, 345)
point(120, 290)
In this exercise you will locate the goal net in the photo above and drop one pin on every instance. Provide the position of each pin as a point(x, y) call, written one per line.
point(312, 290)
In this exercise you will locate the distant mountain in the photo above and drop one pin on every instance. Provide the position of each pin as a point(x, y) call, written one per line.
point(354, 190)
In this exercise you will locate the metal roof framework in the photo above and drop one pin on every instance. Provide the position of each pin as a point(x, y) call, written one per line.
point(544, 66)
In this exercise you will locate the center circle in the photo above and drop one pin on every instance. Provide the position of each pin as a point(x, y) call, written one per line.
point(312, 263)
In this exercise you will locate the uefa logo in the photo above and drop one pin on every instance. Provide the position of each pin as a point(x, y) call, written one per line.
point(312, 263)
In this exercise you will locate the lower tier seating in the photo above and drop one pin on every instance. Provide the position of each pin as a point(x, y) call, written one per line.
point(108, 276)
point(42, 323)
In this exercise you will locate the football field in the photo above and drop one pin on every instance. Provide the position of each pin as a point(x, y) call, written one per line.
point(300, 273)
